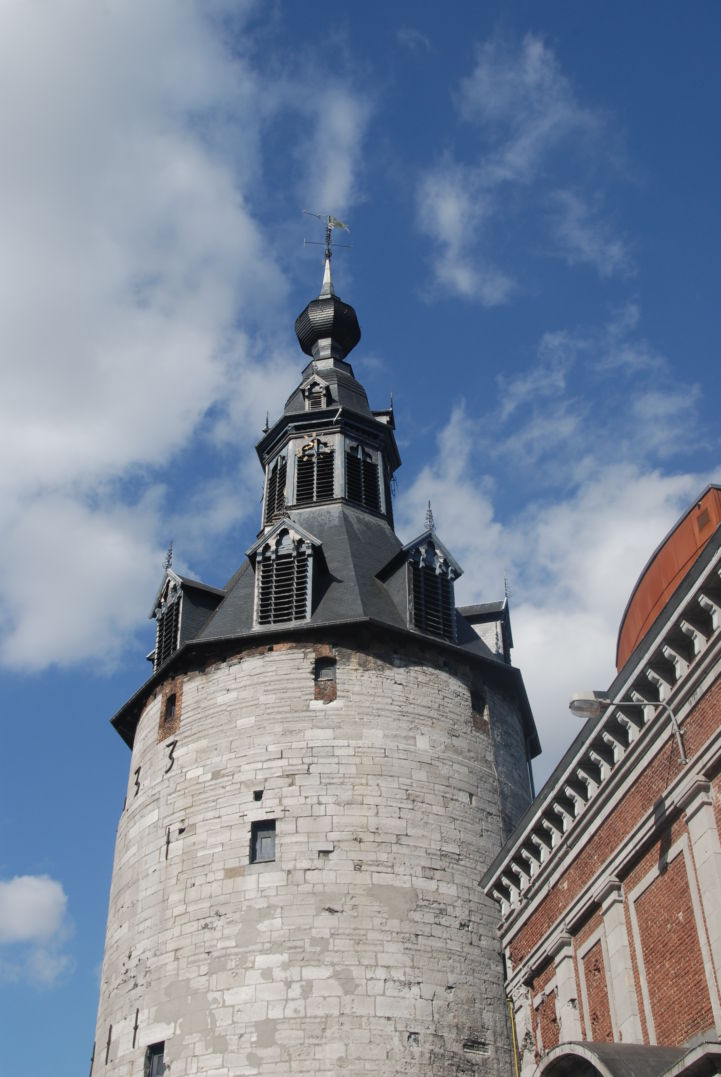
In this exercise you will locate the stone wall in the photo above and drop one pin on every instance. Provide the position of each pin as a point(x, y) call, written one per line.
point(367, 945)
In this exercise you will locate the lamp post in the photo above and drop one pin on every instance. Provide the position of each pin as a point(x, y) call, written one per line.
point(593, 704)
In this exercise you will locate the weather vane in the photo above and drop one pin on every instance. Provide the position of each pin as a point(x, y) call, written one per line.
point(330, 224)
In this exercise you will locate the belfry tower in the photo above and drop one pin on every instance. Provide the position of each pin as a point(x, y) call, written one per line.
point(326, 758)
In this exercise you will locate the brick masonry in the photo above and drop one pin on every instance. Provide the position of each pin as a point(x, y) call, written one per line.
point(645, 943)
point(368, 945)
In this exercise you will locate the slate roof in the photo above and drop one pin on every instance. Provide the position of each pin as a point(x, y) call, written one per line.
point(355, 545)
point(345, 391)
point(611, 1060)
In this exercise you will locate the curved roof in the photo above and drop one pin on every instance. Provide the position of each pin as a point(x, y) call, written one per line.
point(666, 568)
point(608, 1060)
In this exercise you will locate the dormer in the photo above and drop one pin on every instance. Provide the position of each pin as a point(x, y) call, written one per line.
point(420, 579)
point(181, 608)
point(167, 610)
point(432, 572)
point(317, 395)
point(284, 569)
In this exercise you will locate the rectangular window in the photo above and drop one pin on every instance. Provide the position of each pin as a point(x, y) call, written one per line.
point(283, 588)
point(169, 715)
point(154, 1060)
point(362, 485)
point(314, 477)
point(262, 841)
point(275, 490)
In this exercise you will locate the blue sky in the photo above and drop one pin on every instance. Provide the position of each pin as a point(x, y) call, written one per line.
point(532, 192)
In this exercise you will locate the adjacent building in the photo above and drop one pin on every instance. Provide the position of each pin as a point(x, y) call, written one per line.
point(609, 889)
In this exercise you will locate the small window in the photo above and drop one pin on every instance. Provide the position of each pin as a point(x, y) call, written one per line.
point(316, 397)
point(154, 1060)
point(275, 489)
point(325, 679)
point(314, 468)
point(262, 841)
point(362, 481)
point(169, 712)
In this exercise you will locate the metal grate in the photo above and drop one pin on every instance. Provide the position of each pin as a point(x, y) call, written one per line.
point(283, 588)
point(362, 485)
point(275, 490)
point(433, 610)
point(314, 476)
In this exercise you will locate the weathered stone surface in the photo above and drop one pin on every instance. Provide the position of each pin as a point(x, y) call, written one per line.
point(367, 946)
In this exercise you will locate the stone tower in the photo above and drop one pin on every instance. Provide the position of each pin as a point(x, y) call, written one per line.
point(325, 760)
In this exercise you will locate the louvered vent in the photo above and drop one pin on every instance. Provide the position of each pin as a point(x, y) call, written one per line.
point(275, 492)
point(314, 476)
point(316, 400)
point(362, 485)
point(283, 588)
point(166, 639)
point(433, 604)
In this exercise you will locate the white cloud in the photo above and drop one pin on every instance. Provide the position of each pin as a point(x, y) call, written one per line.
point(523, 100)
point(451, 209)
point(75, 577)
point(332, 157)
point(413, 39)
point(32, 907)
point(135, 280)
point(609, 490)
point(33, 930)
point(584, 237)
point(523, 111)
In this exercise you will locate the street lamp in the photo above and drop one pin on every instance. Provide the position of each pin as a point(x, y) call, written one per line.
point(593, 704)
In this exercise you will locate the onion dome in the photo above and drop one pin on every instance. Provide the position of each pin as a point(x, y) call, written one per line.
point(327, 328)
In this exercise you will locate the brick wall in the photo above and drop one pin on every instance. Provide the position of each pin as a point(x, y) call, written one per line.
point(646, 791)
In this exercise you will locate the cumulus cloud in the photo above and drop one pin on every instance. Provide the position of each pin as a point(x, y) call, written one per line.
point(139, 292)
point(530, 131)
point(598, 507)
point(33, 929)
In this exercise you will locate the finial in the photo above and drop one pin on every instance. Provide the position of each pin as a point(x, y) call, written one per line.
point(266, 428)
point(430, 523)
point(506, 588)
point(331, 222)
point(169, 556)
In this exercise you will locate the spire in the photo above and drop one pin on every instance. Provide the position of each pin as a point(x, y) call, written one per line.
point(430, 522)
point(327, 289)
point(328, 328)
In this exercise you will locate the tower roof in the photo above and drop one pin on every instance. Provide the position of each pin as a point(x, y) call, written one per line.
point(327, 328)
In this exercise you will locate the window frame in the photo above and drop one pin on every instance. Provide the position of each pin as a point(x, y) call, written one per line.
point(291, 554)
point(368, 476)
point(154, 1053)
point(431, 593)
point(276, 487)
point(316, 450)
point(262, 830)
